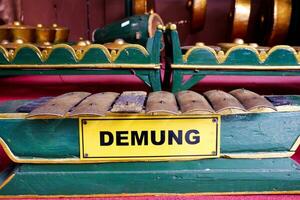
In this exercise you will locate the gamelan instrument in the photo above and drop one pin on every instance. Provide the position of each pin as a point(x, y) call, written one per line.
point(134, 29)
point(198, 13)
point(13, 35)
point(294, 30)
point(275, 21)
point(140, 7)
point(239, 18)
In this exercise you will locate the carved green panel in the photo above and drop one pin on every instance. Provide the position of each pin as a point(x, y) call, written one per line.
point(242, 56)
point(282, 57)
point(133, 55)
point(202, 57)
point(61, 55)
point(27, 55)
point(93, 56)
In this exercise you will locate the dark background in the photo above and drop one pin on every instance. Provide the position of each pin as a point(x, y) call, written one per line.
point(83, 16)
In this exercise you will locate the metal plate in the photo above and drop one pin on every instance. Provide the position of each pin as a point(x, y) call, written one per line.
point(149, 138)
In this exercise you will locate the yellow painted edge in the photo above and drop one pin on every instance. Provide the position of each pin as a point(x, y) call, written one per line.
point(234, 67)
point(258, 155)
point(7, 180)
point(82, 66)
point(80, 139)
point(13, 115)
point(154, 194)
point(296, 144)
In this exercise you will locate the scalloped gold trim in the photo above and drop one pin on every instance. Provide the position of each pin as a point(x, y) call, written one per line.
point(5, 52)
point(188, 53)
point(241, 47)
point(77, 57)
point(127, 46)
point(262, 57)
point(31, 46)
point(65, 46)
point(97, 46)
point(285, 47)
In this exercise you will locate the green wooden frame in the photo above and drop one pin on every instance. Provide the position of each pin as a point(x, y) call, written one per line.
point(95, 59)
point(52, 161)
point(243, 60)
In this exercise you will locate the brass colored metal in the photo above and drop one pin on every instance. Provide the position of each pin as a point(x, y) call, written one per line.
point(80, 47)
point(227, 45)
point(198, 11)
point(275, 20)
point(21, 33)
point(4, 33)
point(61, 33)
point(240, 16)
point(141, 7)
point(44, 35)
point(116, 45)
point(45, 46)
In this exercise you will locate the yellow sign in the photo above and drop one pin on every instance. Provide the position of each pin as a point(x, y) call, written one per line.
point(142, 138)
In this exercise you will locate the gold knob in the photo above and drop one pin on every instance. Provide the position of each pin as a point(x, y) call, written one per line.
point(238, 41)
point(200, 44)
point(17, 23)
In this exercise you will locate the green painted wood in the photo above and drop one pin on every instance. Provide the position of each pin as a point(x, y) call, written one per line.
point(178, 75)
point(94, 56)
point(27, 55)
point(156, 47)
point(214, 175)
point(11, 106)
point(155, 80)
point(61, 56)
point(282, 57)
point(242, 56)
point(125, 29)
point(3, 58)
point(176, 50)
point(57, 138)
point(179, 84)
point(132, 55)
point(243, 133)
point(202, 57)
